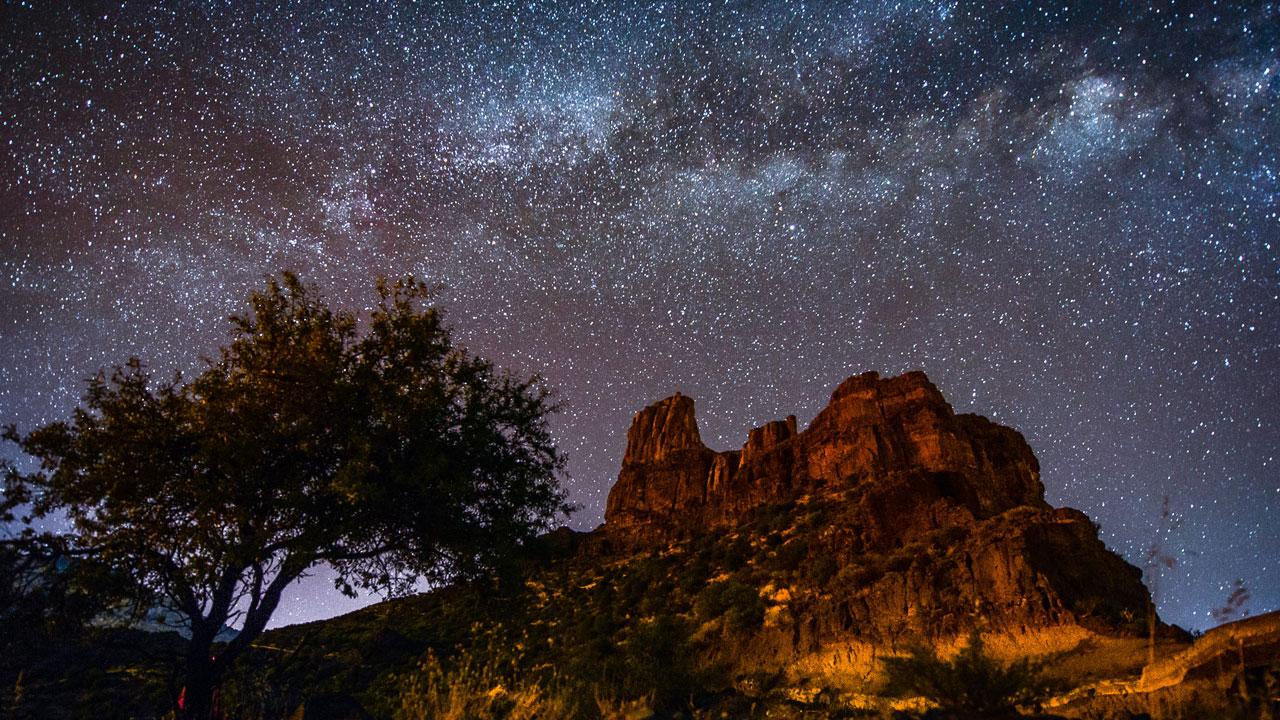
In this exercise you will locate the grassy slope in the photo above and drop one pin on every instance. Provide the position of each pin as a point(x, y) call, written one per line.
point(690, 627)
point(683, 626)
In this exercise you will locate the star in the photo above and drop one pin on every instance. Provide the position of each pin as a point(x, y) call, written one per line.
point(1066, 216)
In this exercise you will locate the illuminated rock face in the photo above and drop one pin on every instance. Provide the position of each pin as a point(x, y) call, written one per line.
point(666, 467)
point(934, 523)
point(872, 429)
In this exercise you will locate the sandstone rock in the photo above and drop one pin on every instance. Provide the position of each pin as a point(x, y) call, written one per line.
point(666, 468)
point(937, 522)
point(662, 430)
point(871, 429)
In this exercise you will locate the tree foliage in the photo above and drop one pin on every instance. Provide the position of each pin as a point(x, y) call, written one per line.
point(45, 594)
point(375, 445)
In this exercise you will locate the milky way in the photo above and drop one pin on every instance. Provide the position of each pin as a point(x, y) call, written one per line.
point(1067, 216)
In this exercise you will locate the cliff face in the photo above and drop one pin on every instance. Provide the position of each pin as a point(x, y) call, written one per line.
point(935, 522)
point(871, 430)
point(665, 469)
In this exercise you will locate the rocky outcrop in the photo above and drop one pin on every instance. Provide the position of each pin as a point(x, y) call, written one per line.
point(933, 523)
point(1250, 642)
point(666, 467)
point(872, 429)
point(1230, 671)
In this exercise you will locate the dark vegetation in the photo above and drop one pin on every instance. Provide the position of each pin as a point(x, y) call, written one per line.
point(598, 634)
point(561, 632)
point(970, 684)
point(381, 449)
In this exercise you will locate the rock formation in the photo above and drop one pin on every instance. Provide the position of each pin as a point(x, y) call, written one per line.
point(872, 429)
point(786, 571)
point(937, 522)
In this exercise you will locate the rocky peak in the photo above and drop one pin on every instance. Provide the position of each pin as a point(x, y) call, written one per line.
point(663, 428)
point(933, 523)
point(770, 434)
point(872, 428)
point(666, 467)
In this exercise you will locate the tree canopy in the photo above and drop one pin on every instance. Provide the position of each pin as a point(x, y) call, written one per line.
point(374, 444)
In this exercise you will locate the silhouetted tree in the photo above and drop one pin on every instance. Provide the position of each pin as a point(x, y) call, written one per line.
point(381, 448)
point(45, 593)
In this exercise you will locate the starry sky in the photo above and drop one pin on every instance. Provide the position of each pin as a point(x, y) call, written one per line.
point(1067, 214)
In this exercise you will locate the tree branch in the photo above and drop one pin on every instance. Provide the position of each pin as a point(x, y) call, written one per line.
point(338, 553)
point(257, 616)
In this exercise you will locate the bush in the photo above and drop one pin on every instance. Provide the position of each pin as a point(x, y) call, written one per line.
point(791, 554)
point(857, 576)
point(821, 571)
point(746, 614)
point(737, 554)
point(814, 520)
point(473, 689)
point(657, 665)
point(740, 604)
point(773, 517)
point(695, 575)
point(971, 683)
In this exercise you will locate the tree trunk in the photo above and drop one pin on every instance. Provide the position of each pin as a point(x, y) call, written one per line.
point(198, 696)
point(204, 672)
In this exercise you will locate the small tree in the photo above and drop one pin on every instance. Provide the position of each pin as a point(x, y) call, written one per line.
point(388, 453)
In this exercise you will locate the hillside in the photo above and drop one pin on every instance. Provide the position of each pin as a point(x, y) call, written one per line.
point(778, 580)
point(775, 577)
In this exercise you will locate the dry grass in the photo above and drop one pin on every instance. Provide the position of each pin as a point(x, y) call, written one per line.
point(471, 689)
point(613, 709)
point(474, 690)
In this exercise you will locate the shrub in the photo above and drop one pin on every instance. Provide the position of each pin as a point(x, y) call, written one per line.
point(737, 554)
point(774, 517)
point(971, 683)
point(860, 575)
point(695, 575)
point(658, 601)
point(814, 520)
point(820, 572)
point(473, 690)
point(740, 604)
point(791, 554)
point(746, 612)
point(656, 664)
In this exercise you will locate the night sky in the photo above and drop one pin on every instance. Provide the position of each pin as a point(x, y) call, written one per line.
point(1067, 215)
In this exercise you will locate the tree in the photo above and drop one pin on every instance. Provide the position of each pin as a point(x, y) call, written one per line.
point(46, 595)
point(380, 448)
